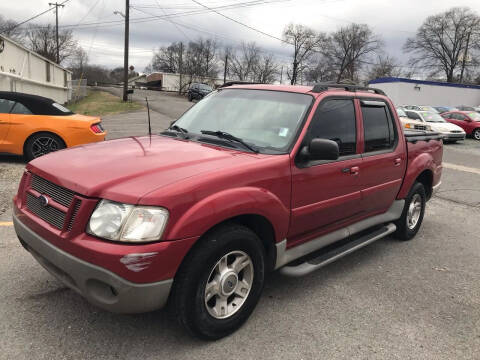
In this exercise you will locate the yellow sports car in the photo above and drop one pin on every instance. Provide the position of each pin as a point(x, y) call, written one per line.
point(33, 126)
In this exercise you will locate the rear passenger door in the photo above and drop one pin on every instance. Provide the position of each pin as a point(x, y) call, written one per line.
point(384, 156)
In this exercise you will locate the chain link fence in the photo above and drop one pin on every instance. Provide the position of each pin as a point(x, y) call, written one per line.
point(77, 89)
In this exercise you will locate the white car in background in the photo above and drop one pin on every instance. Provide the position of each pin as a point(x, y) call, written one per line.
point(421, 108)
point(411, 123)
point(450, 132)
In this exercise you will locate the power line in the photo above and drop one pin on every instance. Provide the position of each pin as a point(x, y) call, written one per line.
point(243, 4)
point(36, 16)
point(240, 23)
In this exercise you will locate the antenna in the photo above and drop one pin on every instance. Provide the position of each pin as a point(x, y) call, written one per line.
point(149, 124)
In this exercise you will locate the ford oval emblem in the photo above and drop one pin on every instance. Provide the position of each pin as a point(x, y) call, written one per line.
point(43, 200)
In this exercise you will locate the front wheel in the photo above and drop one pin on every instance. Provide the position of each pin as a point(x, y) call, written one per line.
point(412, 215)
point(220, 282)
point(476, 134)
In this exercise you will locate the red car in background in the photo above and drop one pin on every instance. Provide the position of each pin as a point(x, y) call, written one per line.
point(467, 120)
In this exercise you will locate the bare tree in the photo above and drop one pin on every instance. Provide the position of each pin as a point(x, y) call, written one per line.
point(443, 42)
point(349, 48)
point(265, 70)
point(166, 59)
point(384, 66)
point(78, 63)
point(319, 70)
point(42, 41)
point(305, 42)
point(244, 61)
point(10, 29)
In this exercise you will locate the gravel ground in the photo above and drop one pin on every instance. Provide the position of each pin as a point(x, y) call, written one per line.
point(390, 300)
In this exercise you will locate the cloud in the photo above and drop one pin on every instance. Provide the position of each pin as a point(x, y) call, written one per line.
point(394, 21)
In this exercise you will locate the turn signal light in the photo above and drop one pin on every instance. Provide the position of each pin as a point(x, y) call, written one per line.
point(97, 128)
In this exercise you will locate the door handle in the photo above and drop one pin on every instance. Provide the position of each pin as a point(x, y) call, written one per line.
point(354, 170)
point(397, 161)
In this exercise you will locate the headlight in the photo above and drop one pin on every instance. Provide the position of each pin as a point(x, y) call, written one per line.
point(128, 223)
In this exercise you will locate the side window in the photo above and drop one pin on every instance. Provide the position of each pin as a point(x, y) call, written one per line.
point(447, 116)
point(335, 120)
point(378, 125)
point(20, 109)
point(413, 115)
point(458, 117)
point(6, 106)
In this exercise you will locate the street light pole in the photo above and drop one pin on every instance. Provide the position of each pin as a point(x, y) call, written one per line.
point(125, 54)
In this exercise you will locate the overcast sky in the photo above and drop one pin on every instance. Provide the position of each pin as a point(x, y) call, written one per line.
point(100, 32)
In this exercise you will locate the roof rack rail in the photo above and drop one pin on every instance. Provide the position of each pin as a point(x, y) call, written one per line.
point(348, 87)
point(231, 83)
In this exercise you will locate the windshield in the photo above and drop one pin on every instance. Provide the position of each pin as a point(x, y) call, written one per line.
point(204, 87)
point(428, 108)
point(474, 116)
point(432, 117)
point(401, 113)
point(265, 119)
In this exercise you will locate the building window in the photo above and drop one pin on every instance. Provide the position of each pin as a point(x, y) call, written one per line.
point(47, 67)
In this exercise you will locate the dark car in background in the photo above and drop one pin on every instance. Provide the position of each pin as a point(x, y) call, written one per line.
point(198, 91)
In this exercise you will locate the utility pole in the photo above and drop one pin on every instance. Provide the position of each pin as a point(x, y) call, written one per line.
point(281, 76)
point(465, 54)
point(57, 5)
point(226, 66)
point(125, 52)
point(180, 68)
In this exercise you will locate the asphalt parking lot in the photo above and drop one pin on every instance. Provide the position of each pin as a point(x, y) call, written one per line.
point(390, 300)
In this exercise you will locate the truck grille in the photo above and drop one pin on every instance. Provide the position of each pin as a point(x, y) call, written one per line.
point(57, 194)
point(420, 127)
point(49, 214)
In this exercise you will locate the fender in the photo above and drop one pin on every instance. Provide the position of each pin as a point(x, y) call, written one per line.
point(226, 204)
point(422, 162)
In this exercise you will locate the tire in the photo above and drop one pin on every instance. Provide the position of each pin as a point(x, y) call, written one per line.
point(476, 134)
point(190, 98)
point(194, 307)
point(407, 226)
point(41, 144)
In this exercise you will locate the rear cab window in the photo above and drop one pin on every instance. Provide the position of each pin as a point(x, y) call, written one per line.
point(380, 132)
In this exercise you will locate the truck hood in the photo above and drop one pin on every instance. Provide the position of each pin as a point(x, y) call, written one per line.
point(126, 169)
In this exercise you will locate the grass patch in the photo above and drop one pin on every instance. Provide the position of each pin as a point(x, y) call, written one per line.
point(99, 103)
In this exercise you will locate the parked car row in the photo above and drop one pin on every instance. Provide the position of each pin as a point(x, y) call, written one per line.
point(454, 123)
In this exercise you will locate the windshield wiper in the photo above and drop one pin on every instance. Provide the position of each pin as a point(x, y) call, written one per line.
point(180, 130)
point(230, 137)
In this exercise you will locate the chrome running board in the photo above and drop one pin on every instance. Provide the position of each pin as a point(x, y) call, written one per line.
point(313, 264)
point(285, 256)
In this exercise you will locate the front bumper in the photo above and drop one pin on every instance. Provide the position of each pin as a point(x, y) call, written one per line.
point(454, 136)
point(98, 285)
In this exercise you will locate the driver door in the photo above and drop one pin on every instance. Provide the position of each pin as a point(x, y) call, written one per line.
point(327, 193)
point(5, 120)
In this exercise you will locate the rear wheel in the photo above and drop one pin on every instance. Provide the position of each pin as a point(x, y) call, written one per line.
point(41, 144)
point(220, 282)
point(412, 215)
point(476, 134)
point(190, 98)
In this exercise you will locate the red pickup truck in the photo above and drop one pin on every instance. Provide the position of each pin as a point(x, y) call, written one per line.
point(251, 179)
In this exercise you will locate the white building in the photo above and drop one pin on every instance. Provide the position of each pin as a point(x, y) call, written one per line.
point(419, 92)
point(171, 82)
point(22, 70)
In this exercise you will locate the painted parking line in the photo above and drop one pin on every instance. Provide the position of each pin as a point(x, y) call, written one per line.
point(6, 223)
point(461, 168)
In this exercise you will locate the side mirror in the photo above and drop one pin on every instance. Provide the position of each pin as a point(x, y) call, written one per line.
point(321, 149)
